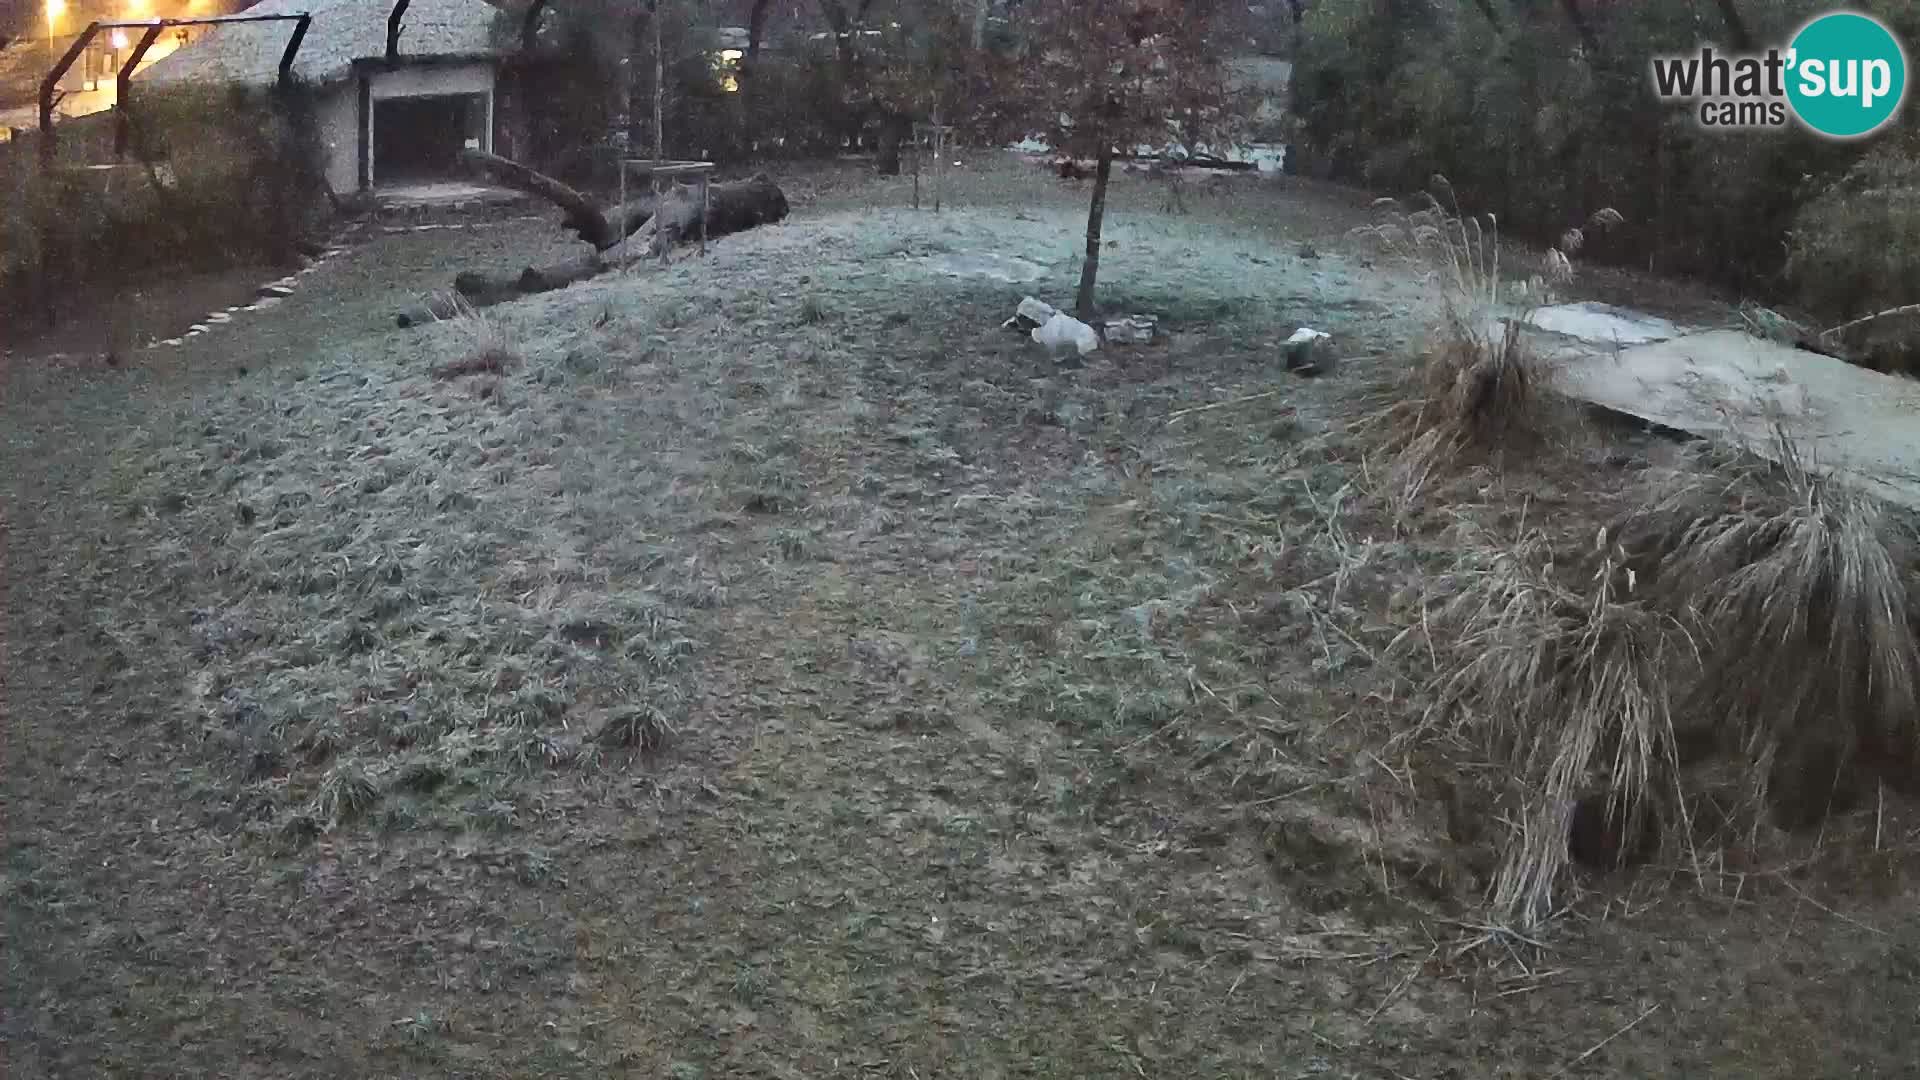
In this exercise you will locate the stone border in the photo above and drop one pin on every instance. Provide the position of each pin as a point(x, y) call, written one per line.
point(271, 294)
point(266, 296)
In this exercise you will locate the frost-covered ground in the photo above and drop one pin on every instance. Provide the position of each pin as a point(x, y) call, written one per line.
point(780, 670)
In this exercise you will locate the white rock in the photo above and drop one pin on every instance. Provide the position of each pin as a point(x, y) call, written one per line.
point(1063, 331)
point(1030, 315)
point(1038, 312)
point(1308, 351)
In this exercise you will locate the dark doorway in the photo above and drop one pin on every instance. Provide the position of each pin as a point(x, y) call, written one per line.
point(420, 138)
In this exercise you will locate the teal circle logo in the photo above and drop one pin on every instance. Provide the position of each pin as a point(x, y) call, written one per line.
point(1846, 75)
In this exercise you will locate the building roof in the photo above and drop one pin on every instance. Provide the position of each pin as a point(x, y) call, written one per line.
point(343, 31)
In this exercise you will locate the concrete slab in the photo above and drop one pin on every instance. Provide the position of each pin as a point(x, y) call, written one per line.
point(1604, 324)
point(1724, 382)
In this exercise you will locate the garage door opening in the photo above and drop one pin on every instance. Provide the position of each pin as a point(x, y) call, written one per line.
point(418, 140)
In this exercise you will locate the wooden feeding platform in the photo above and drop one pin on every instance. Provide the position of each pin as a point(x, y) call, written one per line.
point(697, 173)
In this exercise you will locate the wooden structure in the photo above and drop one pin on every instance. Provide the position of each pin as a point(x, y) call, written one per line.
point(700, 172)
point(124, 83)
point(938, 133)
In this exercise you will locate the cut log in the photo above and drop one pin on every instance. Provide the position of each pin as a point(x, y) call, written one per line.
point(478, 289)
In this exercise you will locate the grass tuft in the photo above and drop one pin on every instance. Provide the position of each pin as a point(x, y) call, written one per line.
point(1751, 623)
point(1479, 388)
point(1573, 689)
point(421, 776)
point(1477, 392)
point(346, 794)
point(486, 348)
point(1799, 578)
point(636, 727)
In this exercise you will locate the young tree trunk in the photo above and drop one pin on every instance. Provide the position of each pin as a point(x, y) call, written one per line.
point(659, 90)
point(1090, 270)
point(895, 128)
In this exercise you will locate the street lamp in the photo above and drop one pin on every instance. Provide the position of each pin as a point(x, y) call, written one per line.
point(54, 8)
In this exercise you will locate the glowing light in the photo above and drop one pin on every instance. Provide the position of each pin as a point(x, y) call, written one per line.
point(139, 9)
point(729, 68)
point(119, 39)
point(55, 9)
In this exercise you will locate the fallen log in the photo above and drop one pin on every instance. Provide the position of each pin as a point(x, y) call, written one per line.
point(582, 217)
point(654, 225)
point(478, 289)
point(730, 208)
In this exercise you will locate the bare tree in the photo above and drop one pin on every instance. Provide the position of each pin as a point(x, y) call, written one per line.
point(1099, 75)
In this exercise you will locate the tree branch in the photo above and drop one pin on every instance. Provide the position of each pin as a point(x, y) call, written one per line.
point(602, 230)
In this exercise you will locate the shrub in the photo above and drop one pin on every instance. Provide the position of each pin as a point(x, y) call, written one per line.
point(215, 177)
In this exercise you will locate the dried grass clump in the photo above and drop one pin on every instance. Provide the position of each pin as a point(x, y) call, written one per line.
point(486, 348)
point(1478, 389)
point(642, 728)
point(346, 794)
point(1573, 690)
point(1754, 614)
point(1800, 580)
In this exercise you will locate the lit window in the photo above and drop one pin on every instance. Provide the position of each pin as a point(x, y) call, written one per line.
point(727, 64)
